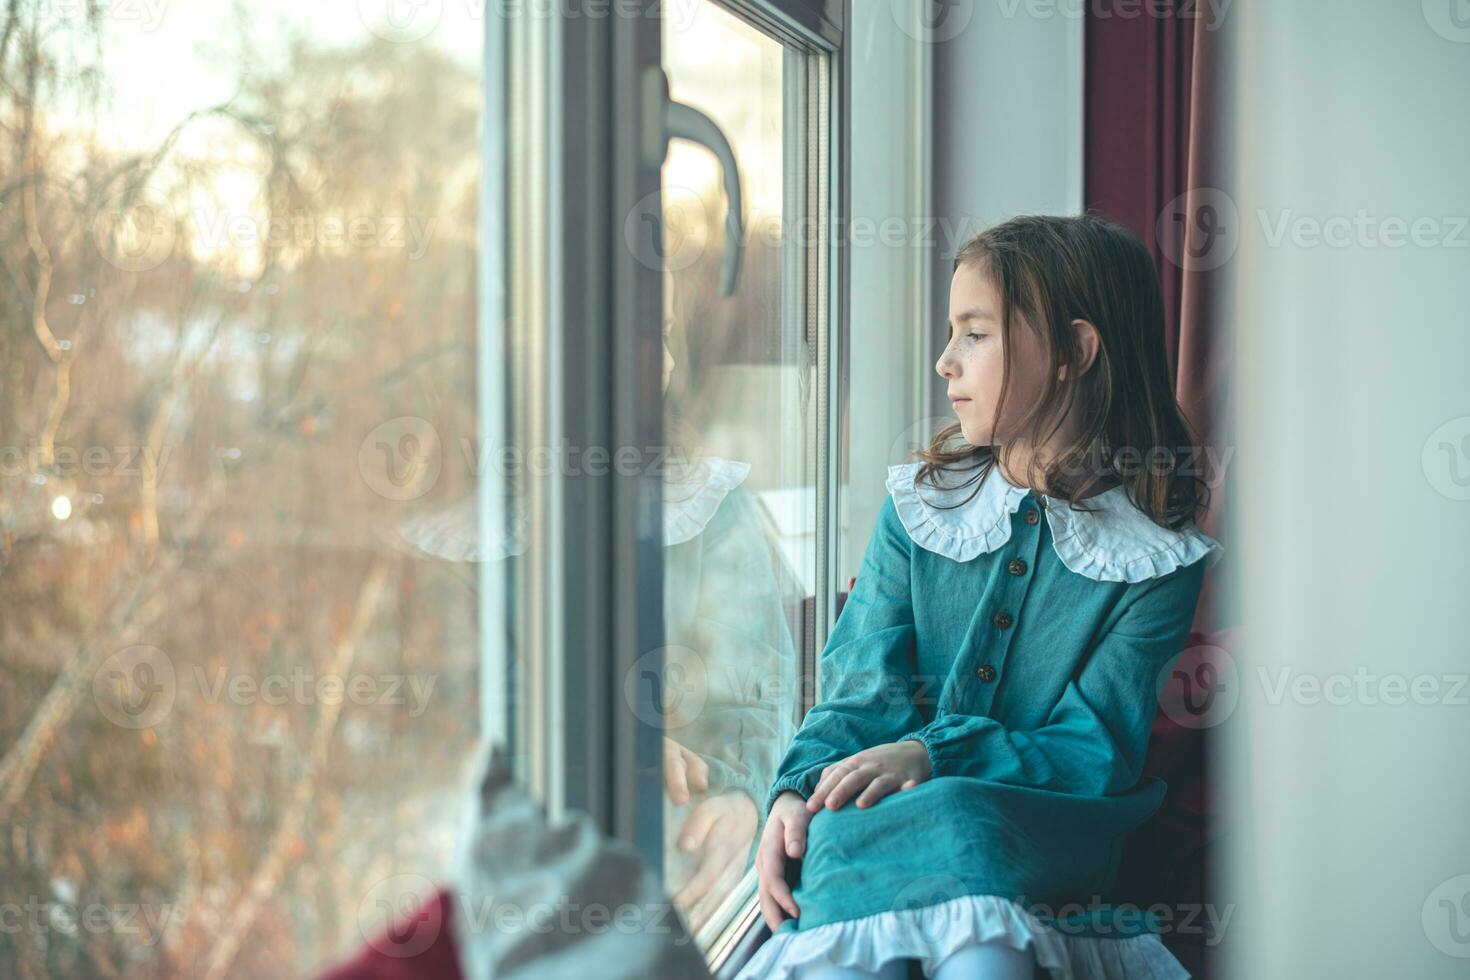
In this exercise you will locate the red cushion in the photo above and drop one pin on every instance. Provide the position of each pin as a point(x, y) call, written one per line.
point(418, 947)
point(1168, 859)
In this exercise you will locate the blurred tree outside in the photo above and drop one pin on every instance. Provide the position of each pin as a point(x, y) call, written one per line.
point(235, 709)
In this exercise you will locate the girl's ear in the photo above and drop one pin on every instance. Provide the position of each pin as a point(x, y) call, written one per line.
point(1088, 343)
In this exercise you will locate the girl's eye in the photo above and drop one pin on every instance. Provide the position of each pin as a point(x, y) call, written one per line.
point(974, 336)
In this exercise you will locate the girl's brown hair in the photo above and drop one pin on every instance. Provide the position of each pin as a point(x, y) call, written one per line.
point(1052, 270)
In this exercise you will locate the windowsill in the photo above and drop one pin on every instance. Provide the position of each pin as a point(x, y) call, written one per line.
point(741, 938)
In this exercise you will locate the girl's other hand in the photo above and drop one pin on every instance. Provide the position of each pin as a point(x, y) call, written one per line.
point(783, 838)
point(684, 772)
point(721, 829)
point(871, 775)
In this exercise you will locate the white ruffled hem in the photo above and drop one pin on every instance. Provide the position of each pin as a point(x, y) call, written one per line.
point(934, 932)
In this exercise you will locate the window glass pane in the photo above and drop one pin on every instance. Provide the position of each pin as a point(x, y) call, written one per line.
point(238, 635)
point(739, 534)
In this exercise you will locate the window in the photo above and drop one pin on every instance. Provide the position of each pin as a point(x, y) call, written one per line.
point(673, 367)
point(743, 396)
point(239, 649)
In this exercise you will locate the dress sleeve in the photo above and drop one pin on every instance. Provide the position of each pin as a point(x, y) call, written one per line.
point(1094, 740)
point(740, 630)
point(866, 668)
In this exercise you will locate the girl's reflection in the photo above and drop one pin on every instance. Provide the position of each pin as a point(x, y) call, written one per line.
point(731, 649)
point(730, 660)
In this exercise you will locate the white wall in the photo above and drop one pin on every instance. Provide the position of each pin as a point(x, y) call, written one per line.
point(957, 123)
point(1007, 132)
point(1353, 518)
point(889, 186)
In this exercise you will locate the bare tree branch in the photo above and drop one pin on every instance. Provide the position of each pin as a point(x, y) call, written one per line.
point(59, 356)
point(268, 874)
point(127, 620)
point(20, 763)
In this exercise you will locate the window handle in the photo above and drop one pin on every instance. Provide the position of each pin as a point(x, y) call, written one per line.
point(675, 120)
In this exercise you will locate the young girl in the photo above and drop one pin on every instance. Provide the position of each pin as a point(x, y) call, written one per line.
point(974, 764)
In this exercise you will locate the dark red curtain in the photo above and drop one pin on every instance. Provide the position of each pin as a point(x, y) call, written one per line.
point(1149, 156)
point(1136, 134)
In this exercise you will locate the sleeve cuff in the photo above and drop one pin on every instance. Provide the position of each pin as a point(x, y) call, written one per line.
point(803, 783)
point(724, 777)
point(923, 737)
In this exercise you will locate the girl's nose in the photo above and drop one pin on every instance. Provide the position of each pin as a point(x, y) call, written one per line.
point(944, 367)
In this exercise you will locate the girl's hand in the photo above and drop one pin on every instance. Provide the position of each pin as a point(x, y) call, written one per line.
point(684, 772)
point(874, 773)
point(721, 829)
point(784, 837)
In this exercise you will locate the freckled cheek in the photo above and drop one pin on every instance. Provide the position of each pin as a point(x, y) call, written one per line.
point(982, 383)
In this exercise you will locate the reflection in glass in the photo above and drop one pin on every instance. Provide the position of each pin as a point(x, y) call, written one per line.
point(736, 408)
point(729, 674)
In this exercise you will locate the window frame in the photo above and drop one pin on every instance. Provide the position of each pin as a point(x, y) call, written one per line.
point(812, 33)
point(571, 131)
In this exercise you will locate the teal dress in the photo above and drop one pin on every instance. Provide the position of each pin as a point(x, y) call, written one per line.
point(729, 659)
point(1022, 643)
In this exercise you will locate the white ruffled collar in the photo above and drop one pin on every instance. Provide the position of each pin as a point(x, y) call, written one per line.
point(453, 534)
point(1116, 542)
point(690, 504)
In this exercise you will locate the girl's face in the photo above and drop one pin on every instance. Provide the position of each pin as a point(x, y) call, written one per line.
point(668, 291)
point(973, 362)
